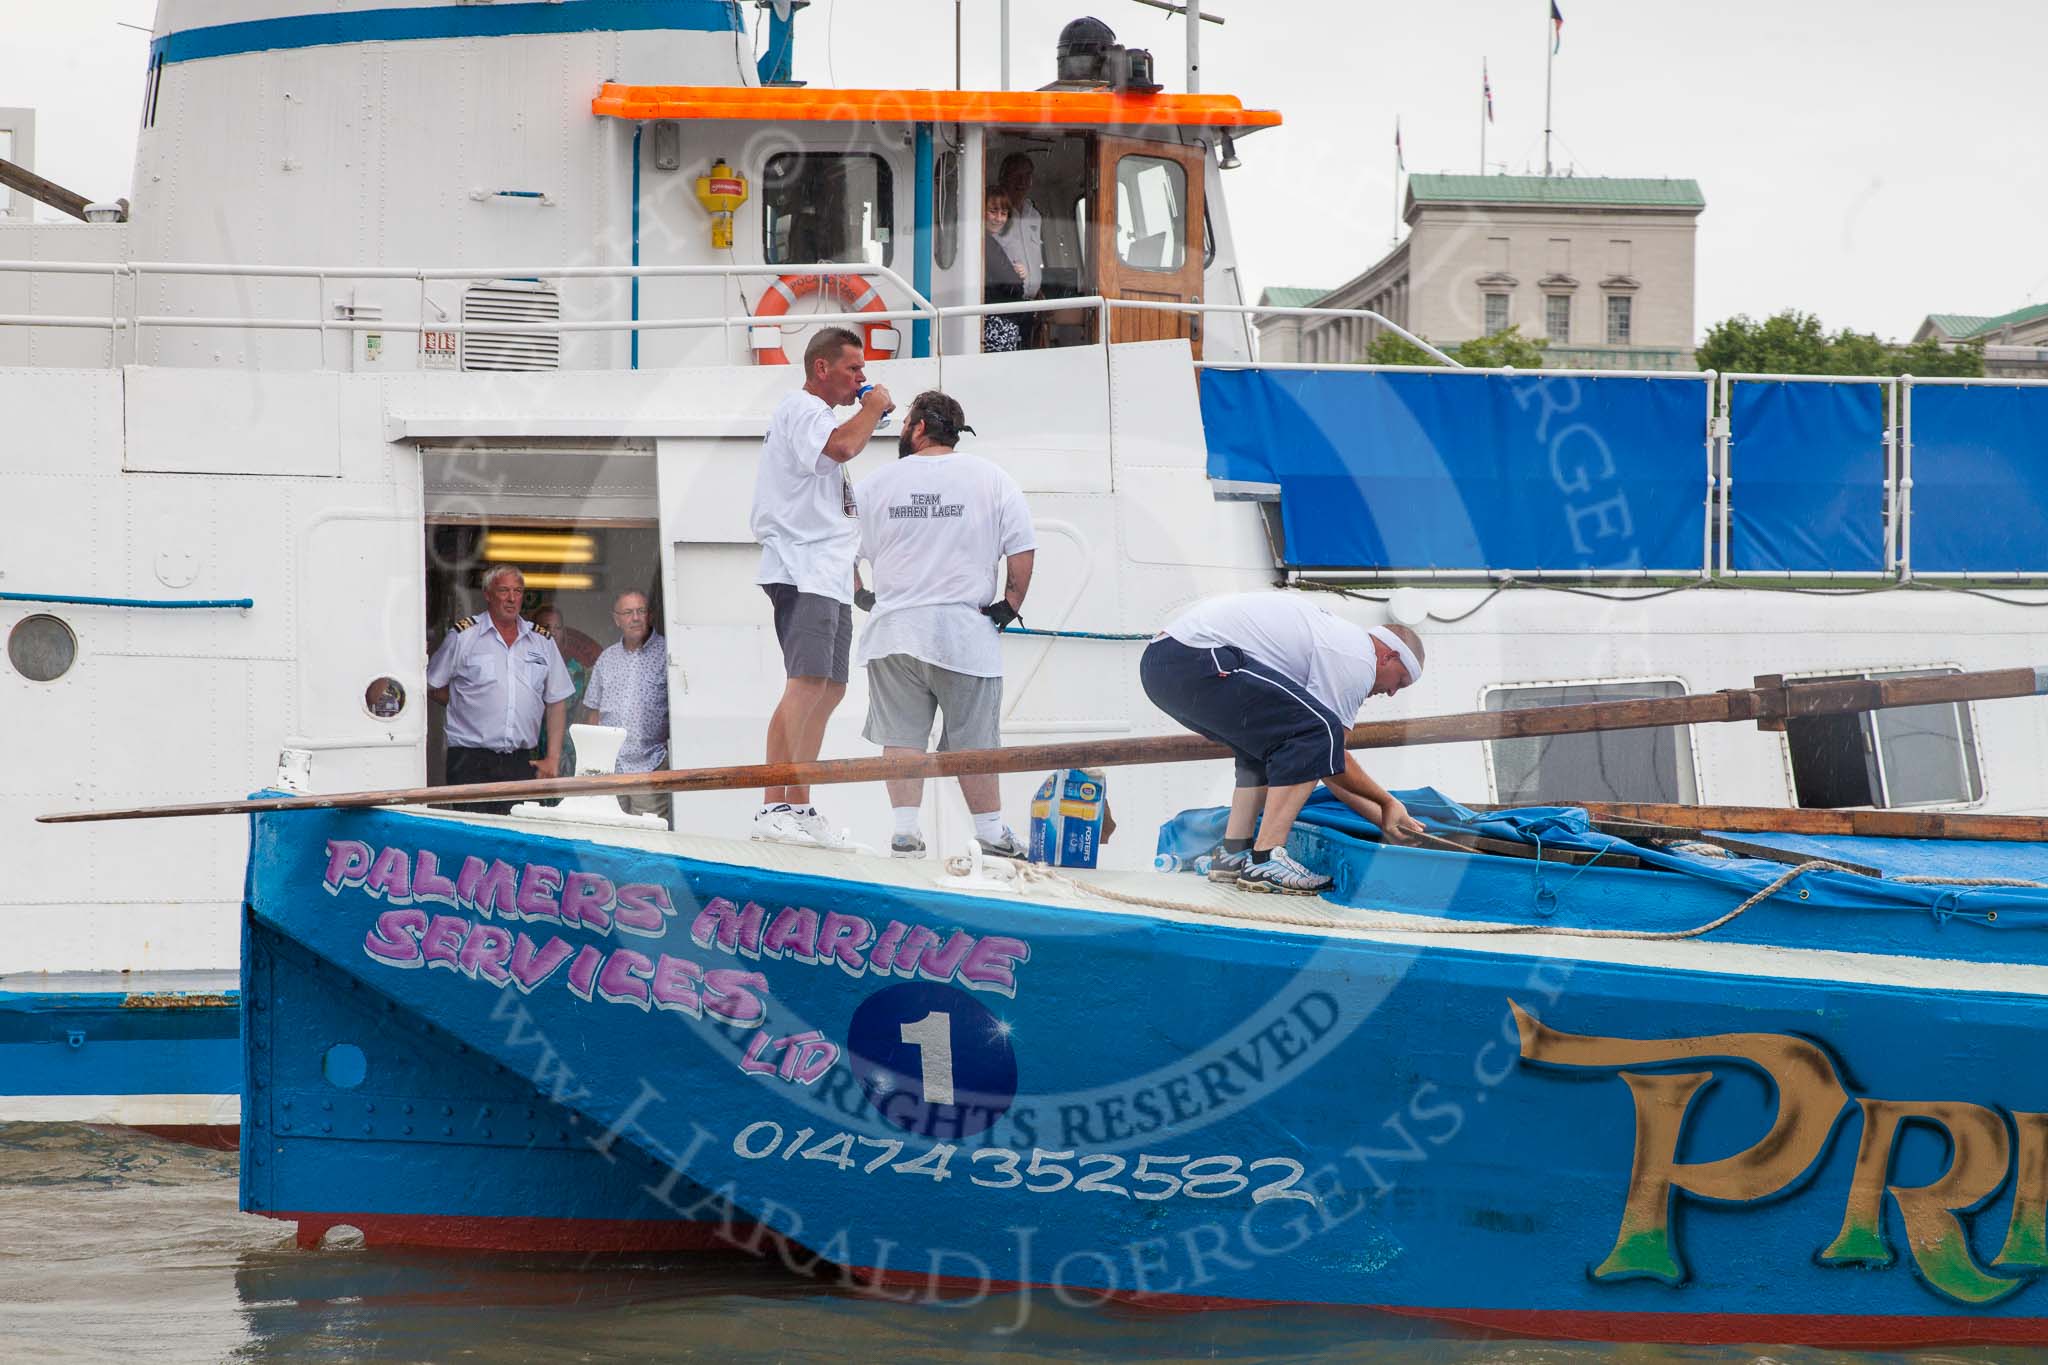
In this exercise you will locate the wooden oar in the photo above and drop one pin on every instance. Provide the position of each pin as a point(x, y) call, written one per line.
point(1872, 824)
point(1742, 848)
point(1769, 706)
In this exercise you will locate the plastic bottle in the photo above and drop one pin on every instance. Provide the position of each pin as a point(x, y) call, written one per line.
point(1166, 862)
point(1203, 864)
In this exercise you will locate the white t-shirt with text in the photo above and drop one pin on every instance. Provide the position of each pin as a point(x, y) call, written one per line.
point(1329, 656)
point(936, 528)
point(803, 503)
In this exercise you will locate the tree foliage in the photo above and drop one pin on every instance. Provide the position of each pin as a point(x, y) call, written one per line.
point(1793, 342)
point(1390, 348)
point(1505, 347)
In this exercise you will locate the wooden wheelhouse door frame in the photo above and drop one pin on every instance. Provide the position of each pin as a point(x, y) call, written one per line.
point(1119, 279)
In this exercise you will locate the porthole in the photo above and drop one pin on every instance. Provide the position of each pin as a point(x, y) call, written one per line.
point(345, 1065)
point(41, 648)
point(384, 698)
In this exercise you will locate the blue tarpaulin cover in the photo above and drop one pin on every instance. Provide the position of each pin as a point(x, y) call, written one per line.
point(1466, 470)
point(1807, 464)
point(1980, 479)
point(1528, 889)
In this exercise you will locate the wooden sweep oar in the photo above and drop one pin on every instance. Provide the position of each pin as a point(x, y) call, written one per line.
point(1770, 705)
point(1870, 824)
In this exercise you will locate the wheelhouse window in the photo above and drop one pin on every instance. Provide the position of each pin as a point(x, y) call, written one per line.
point(1496, 313)
point(1151, 212)
point(946, 210)
point(827, 207)
point(1611, 765)
point(1620, 319)
point(1906, 756)
point(1557, 318)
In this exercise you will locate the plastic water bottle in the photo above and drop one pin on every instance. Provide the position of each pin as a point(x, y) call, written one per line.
point(887, 413)
point(1166, 862)
point(1203, 864)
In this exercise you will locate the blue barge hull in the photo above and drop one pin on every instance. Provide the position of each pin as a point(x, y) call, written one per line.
point(160, 1051)
point(1146, 1088)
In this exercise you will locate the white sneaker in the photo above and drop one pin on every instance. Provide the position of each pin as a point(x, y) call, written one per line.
point(1281, 874)
point(1005, 845)
point(815, 830)
point(779, 824)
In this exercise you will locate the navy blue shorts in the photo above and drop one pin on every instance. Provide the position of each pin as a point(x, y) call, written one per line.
point(1280, 734)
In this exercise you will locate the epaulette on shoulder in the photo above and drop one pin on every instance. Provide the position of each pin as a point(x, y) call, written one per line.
point(545, 632)
point(464, 624)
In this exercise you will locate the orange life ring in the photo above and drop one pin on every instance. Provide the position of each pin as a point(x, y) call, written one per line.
point(854, 290)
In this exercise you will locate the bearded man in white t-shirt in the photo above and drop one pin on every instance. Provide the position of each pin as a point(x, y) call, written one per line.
point(934, 526)
point(804, 518)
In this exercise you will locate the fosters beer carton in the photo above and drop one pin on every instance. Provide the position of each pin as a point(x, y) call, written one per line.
point(1067, 818)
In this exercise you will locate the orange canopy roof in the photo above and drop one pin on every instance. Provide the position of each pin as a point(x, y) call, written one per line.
point(798, 104)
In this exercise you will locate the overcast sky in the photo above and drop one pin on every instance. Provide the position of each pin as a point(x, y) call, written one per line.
point(1867, 160)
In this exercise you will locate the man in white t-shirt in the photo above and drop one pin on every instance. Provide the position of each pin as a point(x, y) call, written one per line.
point(804, 518)
point(934, 526)
point(1279, 680)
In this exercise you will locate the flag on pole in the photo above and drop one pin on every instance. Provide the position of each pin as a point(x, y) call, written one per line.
point(1556, 28)
point(1400, 163)
point(1486, 84)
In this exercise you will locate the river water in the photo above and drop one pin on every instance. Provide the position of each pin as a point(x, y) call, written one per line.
point(118, 1246)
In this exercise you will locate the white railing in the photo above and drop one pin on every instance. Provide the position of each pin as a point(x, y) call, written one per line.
point(134, 322)
point(1718, 551)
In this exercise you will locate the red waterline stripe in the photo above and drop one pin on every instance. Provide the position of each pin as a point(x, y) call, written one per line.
point(473, 1233)
point(219, 1137)
point(467, 1232)
point(1773, 1329)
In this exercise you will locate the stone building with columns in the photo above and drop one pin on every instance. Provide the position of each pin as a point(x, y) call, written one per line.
point(1602, 268)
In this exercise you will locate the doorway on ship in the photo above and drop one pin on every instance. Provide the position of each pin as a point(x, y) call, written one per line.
point(1119, 217)
point(574, 569)
point(1050, 174)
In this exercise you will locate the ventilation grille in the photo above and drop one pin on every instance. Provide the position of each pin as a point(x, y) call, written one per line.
point(511, 302)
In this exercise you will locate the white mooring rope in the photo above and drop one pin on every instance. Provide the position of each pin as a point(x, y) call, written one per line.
point(1032, 875)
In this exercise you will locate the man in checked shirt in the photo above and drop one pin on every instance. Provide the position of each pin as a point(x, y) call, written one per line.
point(629, 688)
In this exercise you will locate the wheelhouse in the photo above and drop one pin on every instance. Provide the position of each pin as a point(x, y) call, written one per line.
point(1125, 188)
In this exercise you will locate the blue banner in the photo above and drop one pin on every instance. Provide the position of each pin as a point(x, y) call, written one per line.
point(1807, 464)
point(1469, 470)
point(1980, 479)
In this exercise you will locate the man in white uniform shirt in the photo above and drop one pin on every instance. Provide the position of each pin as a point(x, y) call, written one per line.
point(1279, 680)
point(804, 521)
point(933, 526)
point(501, 678)
point(629, 688)
point(1023, 236)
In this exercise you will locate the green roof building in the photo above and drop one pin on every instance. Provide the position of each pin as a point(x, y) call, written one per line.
point(1599, 268)
point(2015, 344)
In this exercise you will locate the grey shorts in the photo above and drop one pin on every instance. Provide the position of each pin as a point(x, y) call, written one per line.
point(904, 693)
point(816, 633)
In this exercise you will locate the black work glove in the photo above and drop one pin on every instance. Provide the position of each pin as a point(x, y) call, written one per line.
point(864, 598)
point(1001, 612)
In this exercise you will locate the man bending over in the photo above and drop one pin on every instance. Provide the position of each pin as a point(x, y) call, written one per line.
point(1279, 680)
